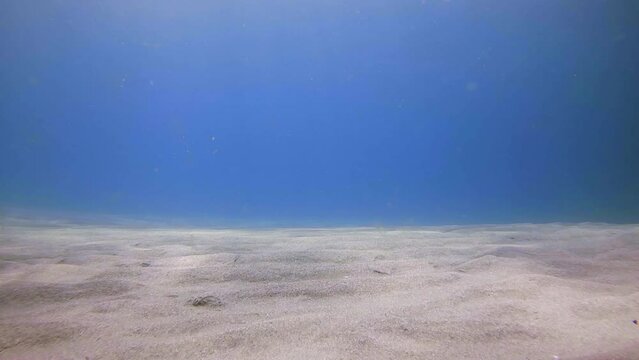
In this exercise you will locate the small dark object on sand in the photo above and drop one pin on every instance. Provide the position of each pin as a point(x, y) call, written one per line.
point(145, 264)
point(380, 272)
point(209, 300)
point(635, 322)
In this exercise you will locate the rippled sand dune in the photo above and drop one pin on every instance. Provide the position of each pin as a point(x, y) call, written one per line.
point(485, 292)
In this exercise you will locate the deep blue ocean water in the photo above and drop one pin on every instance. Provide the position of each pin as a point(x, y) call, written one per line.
point(322, 112)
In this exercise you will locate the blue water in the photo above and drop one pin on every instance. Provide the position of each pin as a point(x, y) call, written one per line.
point(322, 112)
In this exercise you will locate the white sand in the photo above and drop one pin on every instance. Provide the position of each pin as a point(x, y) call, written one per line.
point(491, 292)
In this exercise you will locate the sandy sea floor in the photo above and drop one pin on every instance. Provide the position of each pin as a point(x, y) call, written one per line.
point(485, 292)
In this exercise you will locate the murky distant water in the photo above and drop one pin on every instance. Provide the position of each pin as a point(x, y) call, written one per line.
point(321, 112)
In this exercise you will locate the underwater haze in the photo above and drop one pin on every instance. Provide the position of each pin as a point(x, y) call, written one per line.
point(389, 112)
point(319, 179)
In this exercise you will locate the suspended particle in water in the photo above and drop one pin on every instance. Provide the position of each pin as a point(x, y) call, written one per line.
point(212, 138)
